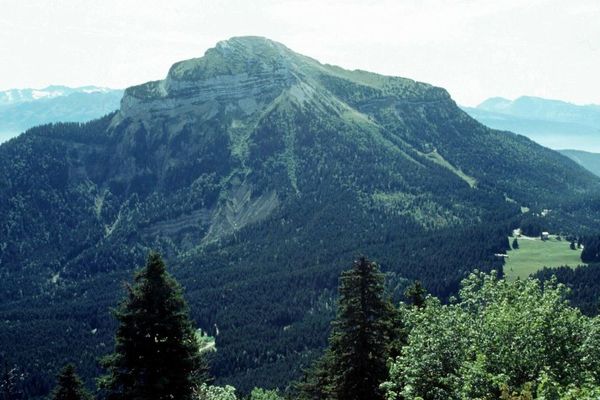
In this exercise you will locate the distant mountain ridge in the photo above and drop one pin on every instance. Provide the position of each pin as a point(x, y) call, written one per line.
point(538, 108)
point(21, 109)
point(259, 173)
point(17, 96)
point(590, 161)
point(553, 123)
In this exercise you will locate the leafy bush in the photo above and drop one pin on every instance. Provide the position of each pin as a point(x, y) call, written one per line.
point(509, 340)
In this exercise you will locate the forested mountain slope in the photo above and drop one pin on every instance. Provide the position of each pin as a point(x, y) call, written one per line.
point(258, 173)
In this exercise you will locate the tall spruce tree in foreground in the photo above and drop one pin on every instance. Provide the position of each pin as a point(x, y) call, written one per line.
point(156, 352)
point(69, 386)
point(362, 339)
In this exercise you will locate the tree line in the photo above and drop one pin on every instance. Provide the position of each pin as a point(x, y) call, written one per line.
point(496, 340)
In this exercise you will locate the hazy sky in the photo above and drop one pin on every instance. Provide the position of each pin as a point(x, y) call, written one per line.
point(473, 48)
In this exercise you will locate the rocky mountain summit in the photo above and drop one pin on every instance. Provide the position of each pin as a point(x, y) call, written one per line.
point(239, 74)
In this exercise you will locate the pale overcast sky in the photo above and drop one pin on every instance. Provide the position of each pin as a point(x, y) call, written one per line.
point(473, 48)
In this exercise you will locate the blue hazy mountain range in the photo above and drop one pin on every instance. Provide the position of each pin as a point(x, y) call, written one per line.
point(590, 161)
point(552, 123)
point(21, 109)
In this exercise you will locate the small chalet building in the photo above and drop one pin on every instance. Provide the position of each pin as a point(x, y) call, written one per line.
point(545, 236)
point(517, 232)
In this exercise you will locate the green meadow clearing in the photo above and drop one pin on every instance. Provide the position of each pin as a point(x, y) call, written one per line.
point(534, 254)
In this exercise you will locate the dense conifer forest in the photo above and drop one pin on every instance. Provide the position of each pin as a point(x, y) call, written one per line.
point(496, 340)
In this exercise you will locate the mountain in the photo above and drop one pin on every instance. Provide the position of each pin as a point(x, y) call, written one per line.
point(259, 174)
point(19, 96)
point(589, 161)
point(21, 109)
point(552, 123)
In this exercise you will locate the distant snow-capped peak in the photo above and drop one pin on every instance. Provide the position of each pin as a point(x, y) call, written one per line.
point(16, 96)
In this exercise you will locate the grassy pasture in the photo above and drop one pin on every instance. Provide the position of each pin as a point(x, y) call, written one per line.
point(534, 254)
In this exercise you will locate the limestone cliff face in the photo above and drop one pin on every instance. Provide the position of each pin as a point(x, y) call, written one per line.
point(243, 75)
point(209, 105)
point(239, 76)
point(200, 121)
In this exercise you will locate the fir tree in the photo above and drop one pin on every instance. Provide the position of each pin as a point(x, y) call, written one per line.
point(591, 250)
point(515, 244)
point(317, 381)
point(69, 386)
point(156, 352)
point(415, 294)
point(362, 339)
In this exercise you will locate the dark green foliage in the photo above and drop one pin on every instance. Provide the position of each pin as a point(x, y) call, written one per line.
point(156, 352)
point(591, 249)
point(317, 382)
point(415, 294)
point(532, 225)
point(361, 333)
point(11, 383)
point(583, 282)
point(355, 364)
point(69, 386)
point(572, 245)
point(515, 244)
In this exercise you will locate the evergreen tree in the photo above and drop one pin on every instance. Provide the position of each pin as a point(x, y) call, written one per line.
point(361, 341)
point(515, 244)
point(361, 333)
point(317, 381)
point(572, 245)
point(10, 383)
point(591, 250)
point(156, 352)
point(69, 386)
point(416, 294)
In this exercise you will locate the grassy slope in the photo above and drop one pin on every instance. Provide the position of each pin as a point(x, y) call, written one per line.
point(534, 254)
